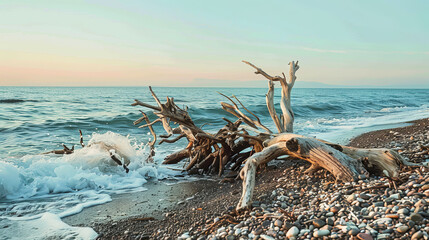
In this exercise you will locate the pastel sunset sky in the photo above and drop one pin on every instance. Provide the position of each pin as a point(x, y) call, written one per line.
point(202, 43)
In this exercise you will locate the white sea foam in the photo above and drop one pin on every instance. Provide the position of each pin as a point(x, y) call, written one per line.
point(38, 188)
point(342, 129)
point(9, 179)
point(48, 226)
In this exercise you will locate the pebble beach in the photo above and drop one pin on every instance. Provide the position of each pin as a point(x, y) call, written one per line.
point(289, 204)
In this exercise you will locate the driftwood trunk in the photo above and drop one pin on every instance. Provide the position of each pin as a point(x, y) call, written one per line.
point(344, 163)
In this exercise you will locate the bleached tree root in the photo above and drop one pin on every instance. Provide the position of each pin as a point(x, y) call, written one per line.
point(207, 152)
point(378, 161)
point(345, 163)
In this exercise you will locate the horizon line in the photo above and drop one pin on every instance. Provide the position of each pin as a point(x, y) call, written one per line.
point(297, 87)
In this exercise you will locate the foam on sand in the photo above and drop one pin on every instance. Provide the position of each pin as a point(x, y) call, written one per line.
point(48, 226)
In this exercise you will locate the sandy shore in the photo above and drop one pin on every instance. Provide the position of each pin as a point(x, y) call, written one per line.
point(190, 208)
point(158, 198)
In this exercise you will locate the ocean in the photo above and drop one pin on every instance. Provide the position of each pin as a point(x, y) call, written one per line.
point(37, 190)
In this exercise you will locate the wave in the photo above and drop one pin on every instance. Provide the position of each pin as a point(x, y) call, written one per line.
point(49, 186)
point(87, 168)
point(14, 100)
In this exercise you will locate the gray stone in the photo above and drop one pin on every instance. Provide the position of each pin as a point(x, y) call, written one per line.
point(230, 237)
point(364, 196)
point(318, 223)
point(278, 223)
point(322, 233)
point(329, 214)
point(293, 232)
point(402, 229)
point(266, 237)
point(416, 217)
point(404, 211)
point(354, 232)
point(383, 236)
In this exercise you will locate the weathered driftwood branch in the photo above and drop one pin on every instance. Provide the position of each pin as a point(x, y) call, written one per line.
point(81, 138)
point(151, 144)
point(345, 163)
point(248, 172)
point(285, 123)
point(65, 150)
point(206, 152)
point(235, 110)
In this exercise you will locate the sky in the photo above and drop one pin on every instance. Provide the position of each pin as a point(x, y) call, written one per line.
point(202, 43)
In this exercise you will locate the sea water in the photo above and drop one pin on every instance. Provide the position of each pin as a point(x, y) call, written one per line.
point(37, 190)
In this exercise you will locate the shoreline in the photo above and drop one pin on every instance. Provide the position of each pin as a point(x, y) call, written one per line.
point(152, 202)
point(210, 199)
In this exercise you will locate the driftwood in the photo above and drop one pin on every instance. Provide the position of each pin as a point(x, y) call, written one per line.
point(285, 123)
point(206, 152)
point(110, 149)
point(65, 150)
point(228, 148)
point(344, 163)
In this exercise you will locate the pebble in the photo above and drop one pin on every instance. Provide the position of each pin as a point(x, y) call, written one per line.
point(266, 237)
point(329, 214)
point(351, 198)
point(383, 236)
point(364, 196)
point(334, 209)
point(230, 237)
point(354, 231)
point(330, 221)
point(321, 233)
point(364, 236)
point(293, 232)
point(402, 229)
point(416, 217)
point(404, 211)
point(318, 223)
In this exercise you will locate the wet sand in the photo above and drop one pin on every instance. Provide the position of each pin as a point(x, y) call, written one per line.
point(158, 198)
